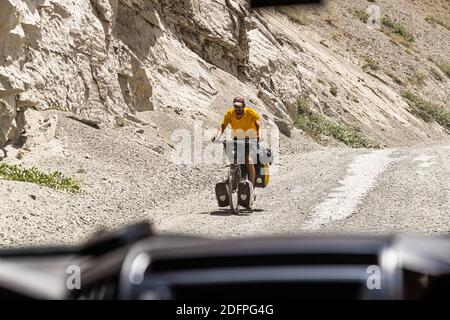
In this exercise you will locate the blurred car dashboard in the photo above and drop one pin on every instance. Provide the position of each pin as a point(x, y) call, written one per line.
point(134, 263)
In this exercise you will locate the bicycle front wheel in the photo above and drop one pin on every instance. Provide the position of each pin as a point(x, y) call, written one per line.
point(232, 193)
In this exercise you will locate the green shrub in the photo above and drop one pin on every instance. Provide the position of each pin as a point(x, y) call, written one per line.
point(361, 15)
point(54, 180)
point(397, 28)
point(370, 63)
point(426, 110)
point(315, 124)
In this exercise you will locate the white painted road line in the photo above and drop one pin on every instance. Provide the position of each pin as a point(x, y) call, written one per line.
point(427, 164)
point(340, 204)
point(424, 158)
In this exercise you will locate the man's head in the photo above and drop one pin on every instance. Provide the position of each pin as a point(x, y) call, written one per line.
point(239, 105)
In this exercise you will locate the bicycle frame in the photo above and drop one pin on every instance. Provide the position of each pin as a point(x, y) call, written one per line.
point(235, 173)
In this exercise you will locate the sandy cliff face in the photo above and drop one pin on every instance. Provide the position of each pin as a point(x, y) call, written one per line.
point(103, 59)
point(16, 23)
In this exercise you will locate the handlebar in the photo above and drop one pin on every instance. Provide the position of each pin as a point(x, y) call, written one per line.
point(237, 141)
point(233, 144)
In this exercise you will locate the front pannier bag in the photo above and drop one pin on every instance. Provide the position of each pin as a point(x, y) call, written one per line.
point(222, 194)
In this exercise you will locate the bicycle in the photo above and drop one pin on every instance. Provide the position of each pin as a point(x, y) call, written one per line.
point(235, 174)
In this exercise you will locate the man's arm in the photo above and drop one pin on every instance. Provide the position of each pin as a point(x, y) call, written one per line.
point(258, 129)
point(219, 132)
point(223, 125)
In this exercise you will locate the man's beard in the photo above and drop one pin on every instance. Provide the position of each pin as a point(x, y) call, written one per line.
point(239, 111)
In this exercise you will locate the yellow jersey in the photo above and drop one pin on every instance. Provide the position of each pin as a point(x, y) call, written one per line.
point(244, 127)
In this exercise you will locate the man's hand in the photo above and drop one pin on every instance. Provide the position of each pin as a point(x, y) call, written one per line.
point(258, 128)
point(219, 133)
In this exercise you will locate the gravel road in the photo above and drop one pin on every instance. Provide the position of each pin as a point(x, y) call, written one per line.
point(335, 191)
point(126, 177)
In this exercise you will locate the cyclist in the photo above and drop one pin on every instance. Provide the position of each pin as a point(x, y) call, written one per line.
point(246, 125)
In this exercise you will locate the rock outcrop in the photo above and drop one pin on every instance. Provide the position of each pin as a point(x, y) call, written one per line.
point(18, 21)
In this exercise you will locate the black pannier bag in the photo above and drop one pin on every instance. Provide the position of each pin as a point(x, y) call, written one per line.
point(222, 194)
point(245, 193)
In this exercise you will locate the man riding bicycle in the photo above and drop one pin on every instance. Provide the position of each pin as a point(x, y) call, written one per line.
point(246, 125)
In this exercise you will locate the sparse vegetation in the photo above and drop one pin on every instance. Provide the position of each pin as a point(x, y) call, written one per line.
point(361, 15)
point(392, 27)
point(315, 124)
point(294, 14)
point(427, 110)
point(334, 90)
point(396, 79)
point(418, 77)
point(336, 35)
point(371, 63)
point(322, 42)
point(434, 21)
point(431, 20)
point(56, 107)
point(445, 68)
point(330, 21)
point(54, 180)
point(436, 74)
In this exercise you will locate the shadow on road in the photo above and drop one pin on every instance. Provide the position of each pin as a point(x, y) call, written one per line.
point(227, 212)
point(221, 212)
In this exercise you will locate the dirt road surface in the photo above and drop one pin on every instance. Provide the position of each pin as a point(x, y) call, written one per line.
point(126, 177)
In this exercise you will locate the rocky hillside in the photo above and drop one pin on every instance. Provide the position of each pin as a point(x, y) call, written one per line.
point(106, 61)
point(95, 89)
